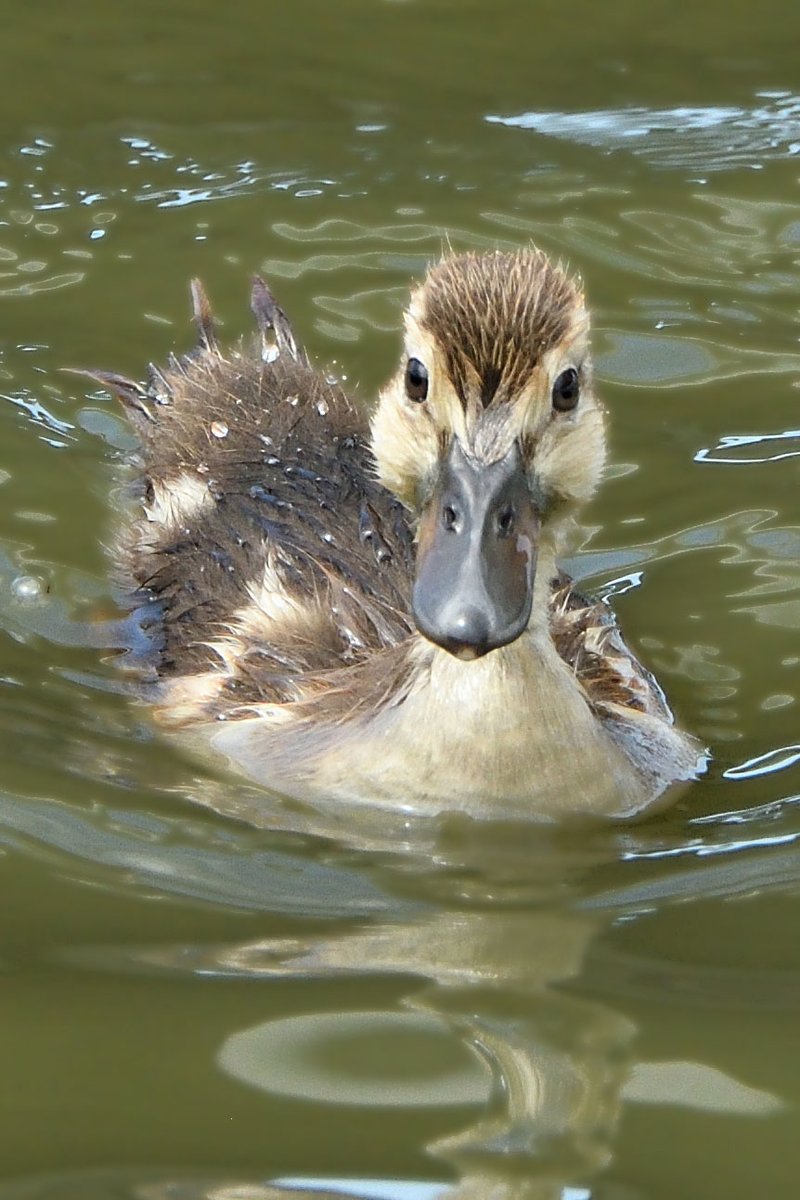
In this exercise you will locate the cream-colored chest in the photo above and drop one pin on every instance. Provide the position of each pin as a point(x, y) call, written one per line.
point(507, 735)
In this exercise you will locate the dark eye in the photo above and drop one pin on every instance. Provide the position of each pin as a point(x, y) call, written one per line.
point(416, 380)
point(566, 390)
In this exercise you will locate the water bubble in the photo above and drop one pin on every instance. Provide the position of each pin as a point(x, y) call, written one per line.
point(28, 589)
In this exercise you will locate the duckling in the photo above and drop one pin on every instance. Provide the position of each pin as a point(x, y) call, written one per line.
point(377, 614)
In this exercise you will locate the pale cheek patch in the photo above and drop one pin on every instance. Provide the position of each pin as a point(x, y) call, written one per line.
point(178, 501)
point(406, 435)
point(405, 448)
point(570, 462)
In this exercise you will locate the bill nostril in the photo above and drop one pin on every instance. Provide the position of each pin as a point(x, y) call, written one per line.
point(506, 520)
point(450, 518)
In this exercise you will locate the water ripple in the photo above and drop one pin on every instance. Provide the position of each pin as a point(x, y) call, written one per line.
point(41, 416)
point(735, 442)
point(711, 138)
point(765, 764)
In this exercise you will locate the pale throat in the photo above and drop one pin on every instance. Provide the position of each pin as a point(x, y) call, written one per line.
point(546, 571)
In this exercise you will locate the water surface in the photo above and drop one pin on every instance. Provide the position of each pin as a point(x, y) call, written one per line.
point(199, 1006)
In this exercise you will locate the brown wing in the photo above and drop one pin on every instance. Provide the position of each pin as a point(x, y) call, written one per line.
point(257, 467)
point(588, 639)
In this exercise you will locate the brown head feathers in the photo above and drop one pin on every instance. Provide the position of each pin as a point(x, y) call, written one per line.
point(495, 315)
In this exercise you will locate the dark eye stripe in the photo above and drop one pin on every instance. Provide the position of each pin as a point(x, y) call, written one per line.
point(416, 380)
point(566, 390)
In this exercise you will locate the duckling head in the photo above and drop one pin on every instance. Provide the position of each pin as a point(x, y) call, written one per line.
point(492, 434)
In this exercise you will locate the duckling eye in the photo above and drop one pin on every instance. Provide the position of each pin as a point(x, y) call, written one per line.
point(566, 390)
point(416, 380)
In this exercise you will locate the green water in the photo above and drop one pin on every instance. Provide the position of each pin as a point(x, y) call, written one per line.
point(194, 1006)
